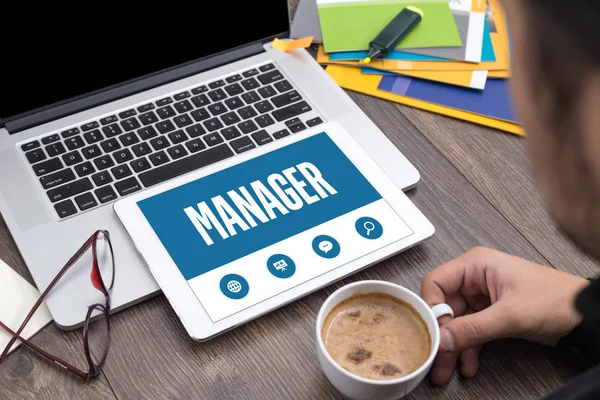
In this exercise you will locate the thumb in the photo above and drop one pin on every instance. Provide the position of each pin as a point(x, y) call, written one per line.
point(473, 330)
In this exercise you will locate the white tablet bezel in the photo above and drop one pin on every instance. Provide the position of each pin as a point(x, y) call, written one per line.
point(183, 300)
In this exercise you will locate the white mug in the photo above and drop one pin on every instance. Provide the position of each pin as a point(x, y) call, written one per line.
point(357, 387)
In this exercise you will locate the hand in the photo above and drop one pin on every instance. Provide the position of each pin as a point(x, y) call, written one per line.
point(496, 295)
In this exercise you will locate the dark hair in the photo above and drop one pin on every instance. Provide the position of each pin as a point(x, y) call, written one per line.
point(564, 52)
point(566, 42)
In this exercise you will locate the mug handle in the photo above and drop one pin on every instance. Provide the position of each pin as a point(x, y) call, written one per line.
point(441, 310)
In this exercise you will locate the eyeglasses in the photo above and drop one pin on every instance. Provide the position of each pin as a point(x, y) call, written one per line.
point(96, 329)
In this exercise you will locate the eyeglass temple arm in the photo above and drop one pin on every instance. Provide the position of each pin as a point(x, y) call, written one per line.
point(73, 259)
point(56, 360)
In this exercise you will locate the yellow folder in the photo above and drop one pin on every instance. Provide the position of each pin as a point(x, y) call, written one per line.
point(351, 79)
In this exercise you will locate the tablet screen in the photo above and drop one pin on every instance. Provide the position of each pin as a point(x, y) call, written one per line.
point(249, 232)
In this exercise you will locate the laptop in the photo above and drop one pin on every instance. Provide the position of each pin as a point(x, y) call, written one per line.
point(98, 106)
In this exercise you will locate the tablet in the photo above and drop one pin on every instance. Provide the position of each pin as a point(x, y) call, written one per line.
point(242, 237)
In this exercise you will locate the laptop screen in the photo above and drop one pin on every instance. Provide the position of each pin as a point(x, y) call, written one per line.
point(56, 56)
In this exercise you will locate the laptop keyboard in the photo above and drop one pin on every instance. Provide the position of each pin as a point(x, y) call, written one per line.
point(96, 163)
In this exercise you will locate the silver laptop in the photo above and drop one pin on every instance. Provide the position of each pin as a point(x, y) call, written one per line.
point(101, 106)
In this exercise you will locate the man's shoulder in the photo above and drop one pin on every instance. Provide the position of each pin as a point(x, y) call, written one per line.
point(585, 341)
point(584, 387)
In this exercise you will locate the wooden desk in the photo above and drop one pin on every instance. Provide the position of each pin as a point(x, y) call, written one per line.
point(476, 188)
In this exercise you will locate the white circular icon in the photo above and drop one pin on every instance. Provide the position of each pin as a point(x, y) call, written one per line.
point(234, 286)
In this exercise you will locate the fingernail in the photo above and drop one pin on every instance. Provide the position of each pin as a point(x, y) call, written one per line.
point(446, 340)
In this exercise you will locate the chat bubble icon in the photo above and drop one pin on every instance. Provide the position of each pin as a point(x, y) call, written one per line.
point(325, 246)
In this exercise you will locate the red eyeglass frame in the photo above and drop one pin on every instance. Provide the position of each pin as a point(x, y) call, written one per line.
point(94, 370)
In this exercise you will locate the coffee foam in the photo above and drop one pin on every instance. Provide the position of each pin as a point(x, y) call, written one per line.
point(376, 336)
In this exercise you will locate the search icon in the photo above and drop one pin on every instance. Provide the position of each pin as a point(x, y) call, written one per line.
point(369, 228)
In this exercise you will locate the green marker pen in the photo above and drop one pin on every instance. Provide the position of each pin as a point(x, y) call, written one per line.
point(391, 35)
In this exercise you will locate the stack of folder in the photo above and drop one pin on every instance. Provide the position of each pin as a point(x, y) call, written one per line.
point(455, 62)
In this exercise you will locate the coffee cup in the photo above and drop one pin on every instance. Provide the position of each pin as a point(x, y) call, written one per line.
point(356, 387)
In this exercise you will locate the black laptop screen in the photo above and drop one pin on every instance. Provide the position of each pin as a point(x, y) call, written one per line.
point(51, 57)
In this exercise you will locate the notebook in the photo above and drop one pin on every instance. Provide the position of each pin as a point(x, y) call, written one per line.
point(500, 41)
point(17, 297)
point(348, 25)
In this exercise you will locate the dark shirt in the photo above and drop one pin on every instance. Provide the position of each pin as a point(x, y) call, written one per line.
point(585, 341)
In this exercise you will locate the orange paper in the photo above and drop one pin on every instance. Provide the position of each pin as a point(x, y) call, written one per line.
point(499, 74)
point(301, 43)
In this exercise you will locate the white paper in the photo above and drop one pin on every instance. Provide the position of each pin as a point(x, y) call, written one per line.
point(17, 297)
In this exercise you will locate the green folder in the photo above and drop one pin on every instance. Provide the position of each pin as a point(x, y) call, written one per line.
point(349, 25)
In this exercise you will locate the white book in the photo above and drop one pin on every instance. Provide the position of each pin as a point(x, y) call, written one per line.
point(17, 297)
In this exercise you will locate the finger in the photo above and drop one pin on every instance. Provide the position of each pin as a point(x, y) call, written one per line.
point(477, 302)
point(467, 273)
point(469, 362)
point(474, 330)
point(443, 367)
point(469, 358)
point(459, 305)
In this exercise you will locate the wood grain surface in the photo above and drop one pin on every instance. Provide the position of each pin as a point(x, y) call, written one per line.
point(505, 178)
point(476, 188)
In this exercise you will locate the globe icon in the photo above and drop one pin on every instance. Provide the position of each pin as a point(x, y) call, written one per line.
point(234, 286)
